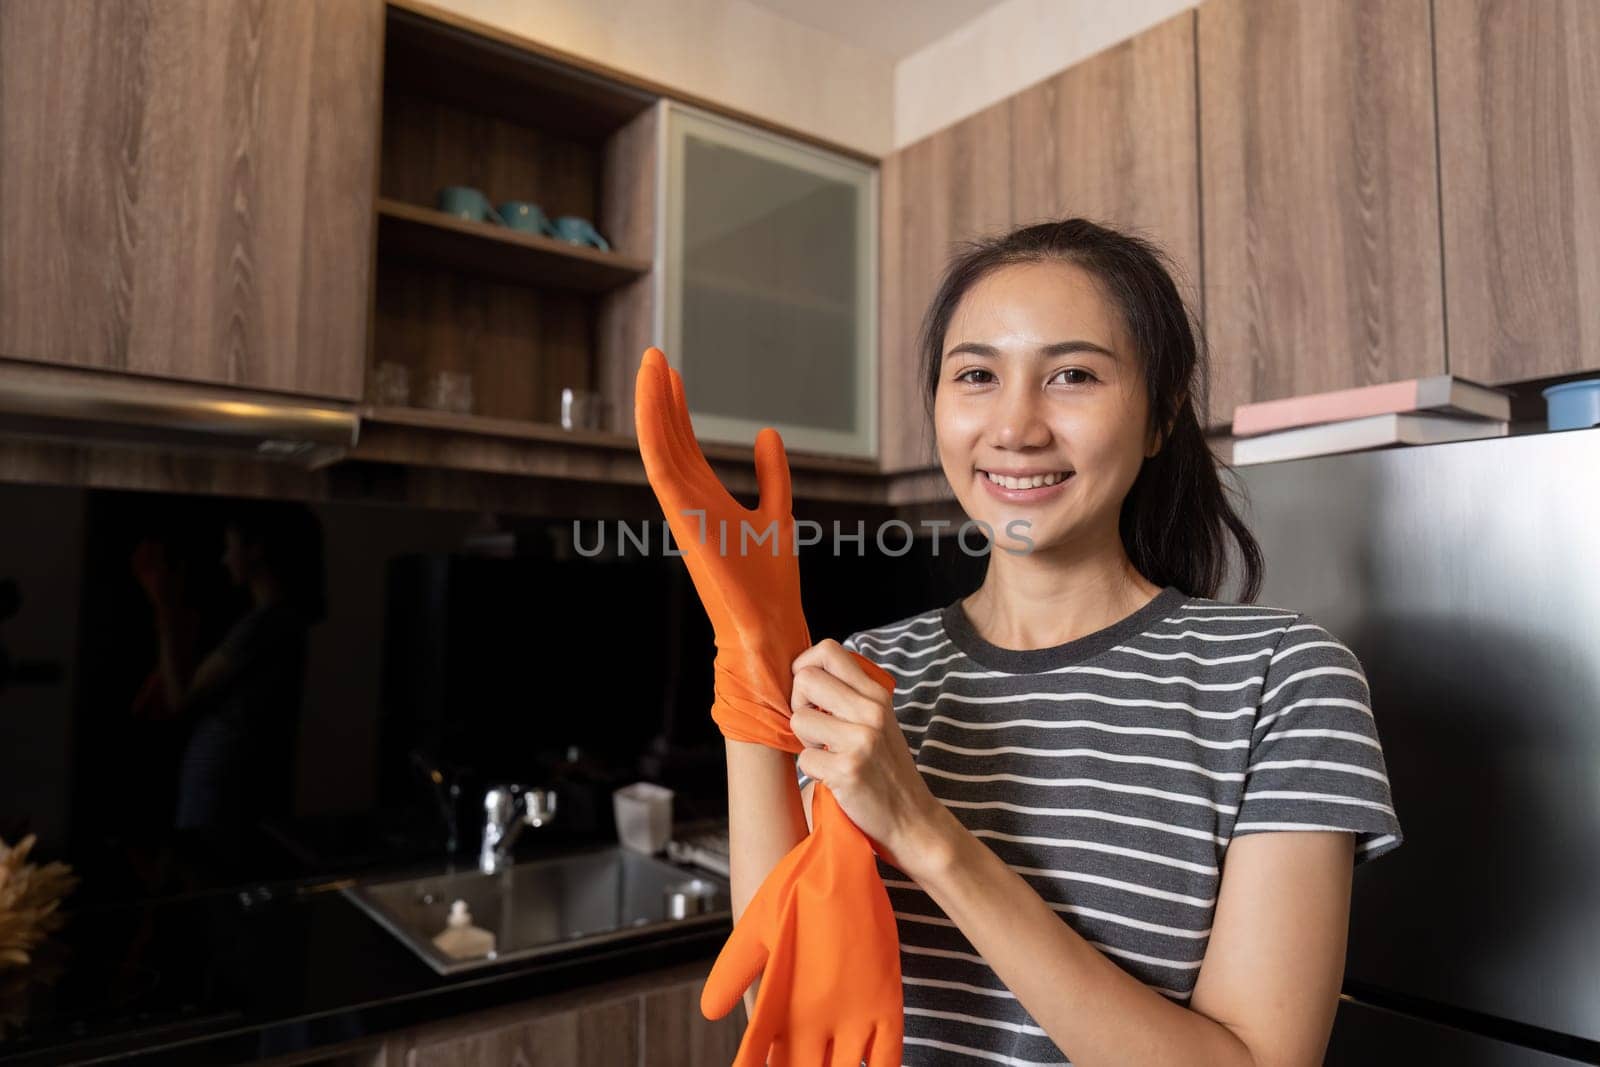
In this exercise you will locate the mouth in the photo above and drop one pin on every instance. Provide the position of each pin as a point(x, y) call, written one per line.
point(1026, 486)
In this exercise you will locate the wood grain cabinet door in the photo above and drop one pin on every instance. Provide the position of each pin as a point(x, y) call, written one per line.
point(1110, 139)
point(1113, 139)
point(187, 187)
point(949, 187)
point(1319, 196)
point(1519, 152)
point(676, 1034)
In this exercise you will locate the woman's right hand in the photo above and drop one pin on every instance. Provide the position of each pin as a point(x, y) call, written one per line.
point(154, 574)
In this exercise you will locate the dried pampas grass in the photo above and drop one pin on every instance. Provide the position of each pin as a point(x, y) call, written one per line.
point(30, 897)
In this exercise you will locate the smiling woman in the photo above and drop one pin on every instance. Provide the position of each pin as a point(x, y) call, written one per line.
point(1117, 816)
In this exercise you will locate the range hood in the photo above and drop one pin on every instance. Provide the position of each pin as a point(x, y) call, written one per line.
point(94, 407)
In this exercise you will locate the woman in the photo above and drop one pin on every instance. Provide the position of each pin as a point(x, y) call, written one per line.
point(1121, 815)
point(242, 699)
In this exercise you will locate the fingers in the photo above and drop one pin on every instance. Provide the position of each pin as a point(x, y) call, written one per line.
point(816, 729)
point(694, 484)
point(888, 1042)
point(850, 1046)
point(810, 1043)
point(742, 959)
point(773, 999)
point(856, 670)
point(772, 478)
point(825, 676)
point(879, 676)
point(651, 422)
point(685, 425)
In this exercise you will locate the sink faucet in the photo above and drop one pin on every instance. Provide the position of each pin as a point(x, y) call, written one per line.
point(507, 809)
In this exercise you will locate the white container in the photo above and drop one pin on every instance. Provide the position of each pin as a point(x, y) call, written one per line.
point(460, 939)
point(644, 816)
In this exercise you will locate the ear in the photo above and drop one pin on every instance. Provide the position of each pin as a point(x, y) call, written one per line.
point(1163, 436)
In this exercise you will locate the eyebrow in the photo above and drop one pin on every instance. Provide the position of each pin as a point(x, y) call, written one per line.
point(1059, 348)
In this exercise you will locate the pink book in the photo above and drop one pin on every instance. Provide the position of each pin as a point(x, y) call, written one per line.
point(1444, 394)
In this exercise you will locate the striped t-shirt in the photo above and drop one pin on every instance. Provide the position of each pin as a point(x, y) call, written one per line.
point(1111, 772)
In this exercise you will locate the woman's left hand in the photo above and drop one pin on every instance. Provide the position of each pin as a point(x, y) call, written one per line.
point(866, 763)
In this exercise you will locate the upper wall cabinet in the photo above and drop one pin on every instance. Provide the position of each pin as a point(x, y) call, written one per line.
point(952, 186)
point(1111, 139)
point(187, 188)
point(770, 285)
point(1519, 146)
point(1320, 200)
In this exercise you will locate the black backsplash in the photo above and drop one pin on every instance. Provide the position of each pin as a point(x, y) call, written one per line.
point(476, 647)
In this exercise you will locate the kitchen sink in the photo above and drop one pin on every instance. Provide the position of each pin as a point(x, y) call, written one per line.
point(548, 905)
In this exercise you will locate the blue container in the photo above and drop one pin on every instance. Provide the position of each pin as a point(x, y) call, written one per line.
point(1573, 405)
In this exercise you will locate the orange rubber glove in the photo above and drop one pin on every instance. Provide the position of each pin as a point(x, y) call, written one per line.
point(820, 929)
point(822, 935)
point(750, 590)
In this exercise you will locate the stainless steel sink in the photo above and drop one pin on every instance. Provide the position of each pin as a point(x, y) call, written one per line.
point(547, 905)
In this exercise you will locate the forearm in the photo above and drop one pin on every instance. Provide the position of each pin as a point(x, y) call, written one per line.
point(765, 821)
point(174, 654)
point(1095, 1012)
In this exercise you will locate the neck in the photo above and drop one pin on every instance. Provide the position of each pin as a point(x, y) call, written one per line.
point(264, 590)
point(1050, 597)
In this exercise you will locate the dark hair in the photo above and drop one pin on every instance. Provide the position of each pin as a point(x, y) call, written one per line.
point(1175, 516)
point(289, 538)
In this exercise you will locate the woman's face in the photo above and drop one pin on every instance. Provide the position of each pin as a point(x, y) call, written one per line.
point(1038, 379)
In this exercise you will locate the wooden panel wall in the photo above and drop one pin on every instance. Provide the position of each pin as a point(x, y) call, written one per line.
point(187, 187)
point(1319, 190)
point(1519, 146)
point(947, 188)
point(1111, 139)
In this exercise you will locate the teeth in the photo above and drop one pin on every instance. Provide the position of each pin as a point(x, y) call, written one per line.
point(1032, 482)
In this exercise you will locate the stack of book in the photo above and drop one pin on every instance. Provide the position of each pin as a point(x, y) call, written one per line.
point(1418, 411)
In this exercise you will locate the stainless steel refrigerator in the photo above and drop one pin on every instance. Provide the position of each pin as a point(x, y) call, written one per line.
point(1466, 578)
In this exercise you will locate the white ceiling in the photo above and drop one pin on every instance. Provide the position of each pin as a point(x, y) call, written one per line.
point(894, 28)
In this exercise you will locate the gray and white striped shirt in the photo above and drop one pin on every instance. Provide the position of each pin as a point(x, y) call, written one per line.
point(1111, 772)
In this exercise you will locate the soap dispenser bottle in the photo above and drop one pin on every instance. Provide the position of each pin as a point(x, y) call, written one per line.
point(460, 939)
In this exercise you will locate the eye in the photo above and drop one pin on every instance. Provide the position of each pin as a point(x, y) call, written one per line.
point(966, 375)
point(1076, 370)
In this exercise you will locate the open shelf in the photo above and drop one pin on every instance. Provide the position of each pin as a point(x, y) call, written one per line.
point(493, 251)
point(601, 440)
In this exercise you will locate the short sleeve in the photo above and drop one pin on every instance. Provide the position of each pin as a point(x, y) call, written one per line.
point(801, 777)
point(1316, 762)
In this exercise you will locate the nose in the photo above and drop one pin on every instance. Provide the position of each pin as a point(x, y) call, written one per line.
point(1019, 419)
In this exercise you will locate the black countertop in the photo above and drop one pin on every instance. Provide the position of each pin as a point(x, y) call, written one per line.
point(228, 976)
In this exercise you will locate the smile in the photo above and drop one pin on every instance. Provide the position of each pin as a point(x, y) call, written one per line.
point(1030, 481)
point(1026, 488)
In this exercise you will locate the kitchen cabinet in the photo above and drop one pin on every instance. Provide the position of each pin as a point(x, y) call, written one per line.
point(597, 1035)
point(769, 305)
point(1319, 192)
point(952, 186)
point(521, 315)
point(1110, 139)
point(1113, 139)
point(188, 187)
point(1519, 153)
point(645, 1020)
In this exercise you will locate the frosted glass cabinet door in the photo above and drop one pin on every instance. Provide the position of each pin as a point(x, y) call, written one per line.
point(769, 292)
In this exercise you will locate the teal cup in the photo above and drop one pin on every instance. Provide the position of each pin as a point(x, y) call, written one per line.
point(465, 202)
point(525, 216)
point(579, 232)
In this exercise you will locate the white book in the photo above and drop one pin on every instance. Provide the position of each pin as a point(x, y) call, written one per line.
point(1354, 435)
